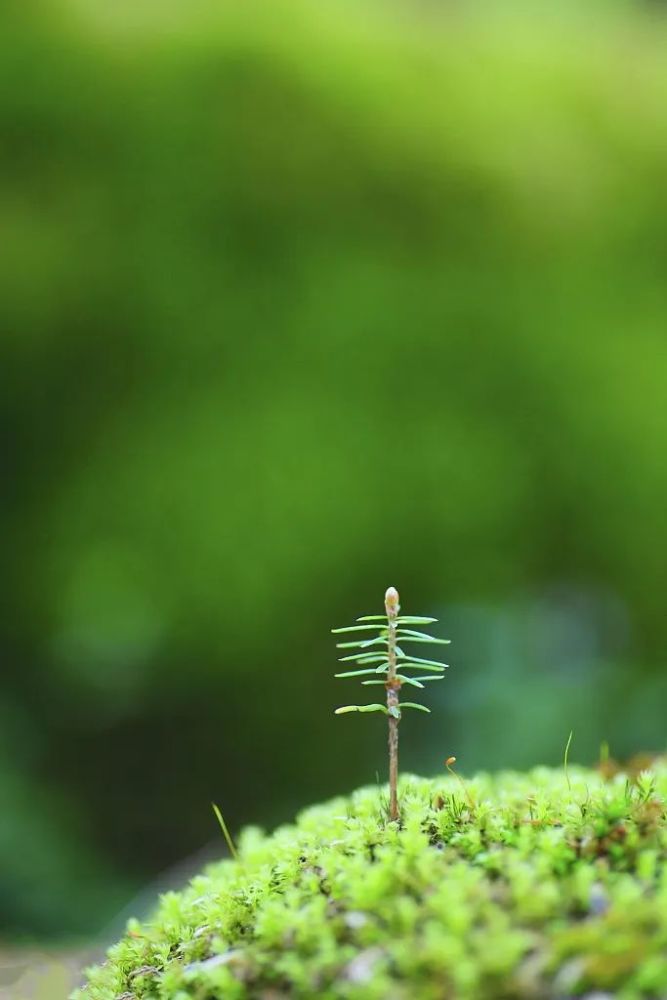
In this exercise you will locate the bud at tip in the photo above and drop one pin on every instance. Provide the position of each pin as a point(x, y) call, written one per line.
point(450, 761)
point(391, 601)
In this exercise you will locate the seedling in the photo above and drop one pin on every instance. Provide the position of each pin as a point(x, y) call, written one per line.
point(379, 658)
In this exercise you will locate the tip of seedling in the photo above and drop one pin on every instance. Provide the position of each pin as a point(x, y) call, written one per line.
point(391, 600)
point(450, 761)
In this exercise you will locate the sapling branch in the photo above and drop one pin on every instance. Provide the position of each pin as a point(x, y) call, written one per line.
point(384, 664)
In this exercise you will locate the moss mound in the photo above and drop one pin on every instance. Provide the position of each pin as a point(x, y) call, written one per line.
point(526, 886)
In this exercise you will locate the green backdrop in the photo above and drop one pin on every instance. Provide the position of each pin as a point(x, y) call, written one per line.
point(300, 301)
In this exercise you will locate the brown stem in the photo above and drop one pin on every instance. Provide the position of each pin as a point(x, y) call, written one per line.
point(393, 687)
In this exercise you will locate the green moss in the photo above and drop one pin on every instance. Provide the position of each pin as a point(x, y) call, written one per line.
point(528, 888)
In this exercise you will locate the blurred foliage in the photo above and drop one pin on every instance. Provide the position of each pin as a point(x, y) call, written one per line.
point(300, 302)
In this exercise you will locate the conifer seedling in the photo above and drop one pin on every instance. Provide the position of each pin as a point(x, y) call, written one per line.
point(380, 658)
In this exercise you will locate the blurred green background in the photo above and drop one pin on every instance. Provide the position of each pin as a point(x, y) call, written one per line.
point(299, 301)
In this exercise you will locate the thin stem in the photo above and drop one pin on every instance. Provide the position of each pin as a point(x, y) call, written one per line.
point(227, 835)
point(393, 686)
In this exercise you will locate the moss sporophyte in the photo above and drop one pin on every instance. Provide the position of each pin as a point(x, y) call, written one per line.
point(382, 655)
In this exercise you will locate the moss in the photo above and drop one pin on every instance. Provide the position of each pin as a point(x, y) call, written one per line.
point(529, 886)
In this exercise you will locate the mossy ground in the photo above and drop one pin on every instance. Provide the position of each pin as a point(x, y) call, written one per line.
point(528, 886)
